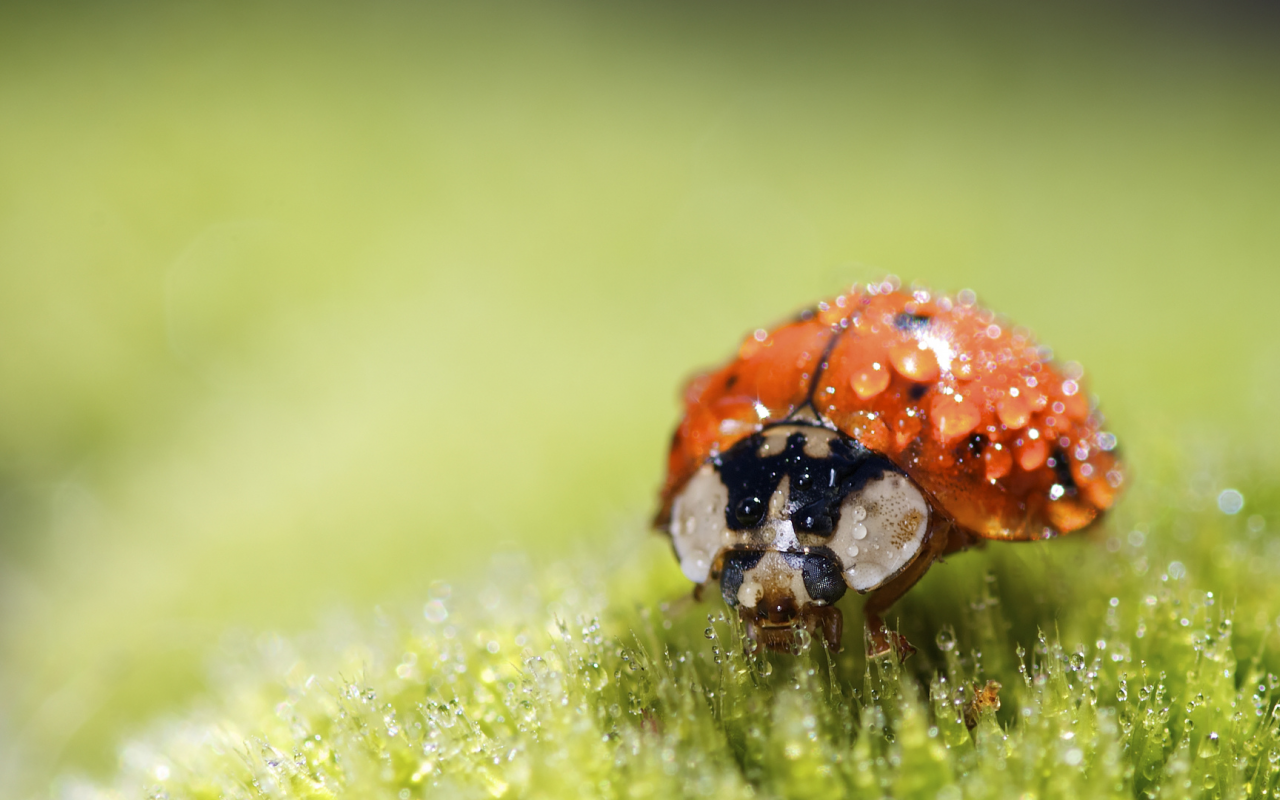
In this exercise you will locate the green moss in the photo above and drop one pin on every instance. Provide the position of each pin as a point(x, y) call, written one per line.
point(1132, 662)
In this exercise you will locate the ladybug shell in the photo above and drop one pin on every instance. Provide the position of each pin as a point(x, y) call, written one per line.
point(971, 409)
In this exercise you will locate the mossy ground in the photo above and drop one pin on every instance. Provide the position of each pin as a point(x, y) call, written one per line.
point(1137, 660)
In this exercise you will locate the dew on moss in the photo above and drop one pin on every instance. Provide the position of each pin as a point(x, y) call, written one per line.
point(600, 678)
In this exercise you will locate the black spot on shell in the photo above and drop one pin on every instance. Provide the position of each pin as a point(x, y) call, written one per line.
point(973, 446)
point(910, 323)
point(1062, 471)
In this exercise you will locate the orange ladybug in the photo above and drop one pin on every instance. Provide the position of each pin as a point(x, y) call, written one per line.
point(855, 444)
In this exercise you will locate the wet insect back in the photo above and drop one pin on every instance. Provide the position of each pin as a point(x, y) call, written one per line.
point(855, 444)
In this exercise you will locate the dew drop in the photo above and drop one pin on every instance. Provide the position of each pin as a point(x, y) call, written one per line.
point(946, 640)
point(869, 381)
point(435, 611)
point(1230, 501)
point(914, 363)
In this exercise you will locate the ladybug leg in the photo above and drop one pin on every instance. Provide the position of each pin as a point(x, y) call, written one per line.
point(830, 624)
point(882, 640)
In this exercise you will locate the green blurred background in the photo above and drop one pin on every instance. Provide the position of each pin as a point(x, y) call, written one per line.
point(303, 306)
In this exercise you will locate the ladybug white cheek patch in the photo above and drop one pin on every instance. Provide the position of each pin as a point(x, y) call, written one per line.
point(700, 532)
point(881, 528)
point(697, 524)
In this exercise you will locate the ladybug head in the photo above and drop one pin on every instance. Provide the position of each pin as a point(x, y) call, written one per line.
point(790, 518)
point(777, 593)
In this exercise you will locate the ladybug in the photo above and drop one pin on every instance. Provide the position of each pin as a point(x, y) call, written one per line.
point(872, 434)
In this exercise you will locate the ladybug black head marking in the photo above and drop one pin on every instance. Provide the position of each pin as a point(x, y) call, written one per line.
point(821, 469)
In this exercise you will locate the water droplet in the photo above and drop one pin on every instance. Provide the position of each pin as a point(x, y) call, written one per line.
point(852, 551)
point(435, 611)
point(955, 417)
point(946, 640)
point(1208, 746)
point(1230, 501)
point(859, 531)
point(913, 362)
point(869, 381)
point(803, 639)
